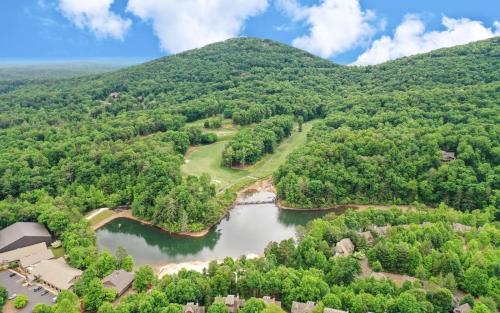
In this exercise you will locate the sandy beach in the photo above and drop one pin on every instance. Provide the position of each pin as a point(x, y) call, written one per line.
point(198, 266)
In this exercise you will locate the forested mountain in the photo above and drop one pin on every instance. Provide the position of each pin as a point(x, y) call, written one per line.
point(118, 138)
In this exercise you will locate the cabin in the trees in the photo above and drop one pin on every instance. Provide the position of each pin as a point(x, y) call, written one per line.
point(344, 247)
point(367, 235)
point(301, 307)
point(381, 231)
point(269, 300)
point(55, 274)
point(233, 303)
point(464, 308)
point(461, 228)
point(23, 234)
point(447, 156)
point(119, 280)
point(26, 256)
point(193, 308)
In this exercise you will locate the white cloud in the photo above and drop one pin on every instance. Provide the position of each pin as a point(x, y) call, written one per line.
point(411, 38)
point(96, 16)
point(335, 26)
point(185, 24)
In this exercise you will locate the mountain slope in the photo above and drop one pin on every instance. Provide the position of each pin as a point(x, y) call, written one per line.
point(115, 138)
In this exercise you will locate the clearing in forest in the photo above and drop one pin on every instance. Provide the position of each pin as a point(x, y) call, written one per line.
point(208, 159)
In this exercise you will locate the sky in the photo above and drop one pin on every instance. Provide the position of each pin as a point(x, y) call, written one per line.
point(356, 32)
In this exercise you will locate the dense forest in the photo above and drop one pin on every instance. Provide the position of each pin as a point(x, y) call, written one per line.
point(250, 144)
point(421, 129)
point(118, 138)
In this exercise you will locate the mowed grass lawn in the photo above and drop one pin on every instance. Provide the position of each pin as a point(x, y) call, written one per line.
point(207, 159)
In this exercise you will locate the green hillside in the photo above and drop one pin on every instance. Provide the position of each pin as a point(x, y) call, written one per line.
point(119, 138)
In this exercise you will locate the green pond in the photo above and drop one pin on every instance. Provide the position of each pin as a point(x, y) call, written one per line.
point(247, 229)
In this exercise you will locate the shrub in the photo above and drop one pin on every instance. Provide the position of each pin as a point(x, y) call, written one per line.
point(21, 301)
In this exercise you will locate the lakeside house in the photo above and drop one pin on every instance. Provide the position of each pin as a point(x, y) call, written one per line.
point(23, 234)
point(233, 303)
point(344, 247)
point(120, 281)
point(26, 256)
point(301, 307)
point(55, 273)
point(193, 308)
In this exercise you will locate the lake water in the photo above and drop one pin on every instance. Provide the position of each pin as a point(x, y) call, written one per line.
point(247, 229)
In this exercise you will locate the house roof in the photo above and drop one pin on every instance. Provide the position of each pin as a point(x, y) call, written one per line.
point(229, 300)
point(301, 307)
point(193, 308)
point(367, 235)
point(22, 253)
point(119, 280)
point(34, 258)
point(19, 230)
point(344, 247)
point(381, 230)
point(57, 273)
point(464, 308)
point(269, 300)
point(447, 155)
point(461, 227)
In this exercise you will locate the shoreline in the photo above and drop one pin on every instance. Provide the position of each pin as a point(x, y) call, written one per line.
point(128, 215)
point(258, 186)
point(261, 185)
point(344, 207)
point(197, 265)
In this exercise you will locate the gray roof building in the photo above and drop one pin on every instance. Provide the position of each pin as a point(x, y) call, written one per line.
point(233, 303)
point(23, 234)
point(461, 228)
point(269, 300)
point(344, 247)
point(119, 280)
point(193, 308)
point(367, 235)
point(464, 308)
point(447, 156)
point(56, 273)
point(301, 307)
point(381, 230)
point(26, 256)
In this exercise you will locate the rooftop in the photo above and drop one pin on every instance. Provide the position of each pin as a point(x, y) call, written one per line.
point(24, 254)
point(18, 230)
point(57, 273)
point(119, 280)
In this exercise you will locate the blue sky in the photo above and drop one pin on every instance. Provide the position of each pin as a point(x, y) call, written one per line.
point(345, 31)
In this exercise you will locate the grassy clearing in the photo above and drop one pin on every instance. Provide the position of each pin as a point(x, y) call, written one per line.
point(101, 216)
point(207, 159)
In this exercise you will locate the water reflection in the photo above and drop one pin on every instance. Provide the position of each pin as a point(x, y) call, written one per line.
point(247, 229)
